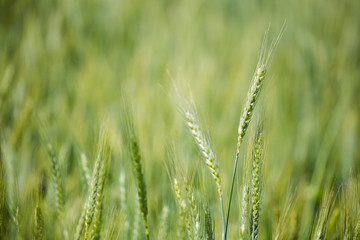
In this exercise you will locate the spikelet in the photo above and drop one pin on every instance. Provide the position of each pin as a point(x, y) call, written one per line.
point(142, 197)
point(256, 186)
point(210, 158)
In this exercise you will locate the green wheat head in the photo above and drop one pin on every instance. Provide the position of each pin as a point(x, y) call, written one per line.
point(202, 142)
point(141, 186)
point(256, 185)
point(57, 181)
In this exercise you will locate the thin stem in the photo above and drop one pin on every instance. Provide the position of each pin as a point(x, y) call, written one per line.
point(222, 215)
point(231, 192)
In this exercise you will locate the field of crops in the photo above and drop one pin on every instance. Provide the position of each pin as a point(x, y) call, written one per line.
point(124, 119)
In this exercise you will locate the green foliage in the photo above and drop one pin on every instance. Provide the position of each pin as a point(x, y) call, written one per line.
point(69, 64)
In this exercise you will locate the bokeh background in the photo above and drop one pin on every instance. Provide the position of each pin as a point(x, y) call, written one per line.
point(70, 65)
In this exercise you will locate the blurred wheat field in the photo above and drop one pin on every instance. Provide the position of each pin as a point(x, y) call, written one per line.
point(67, 66)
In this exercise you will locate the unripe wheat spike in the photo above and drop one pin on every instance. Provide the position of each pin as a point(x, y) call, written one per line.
point(210, 158)
point(136, 157)
point(57, 181)
point(256, 186)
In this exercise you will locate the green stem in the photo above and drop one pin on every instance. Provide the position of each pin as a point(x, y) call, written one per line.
point(231, 192)
point(222, 215)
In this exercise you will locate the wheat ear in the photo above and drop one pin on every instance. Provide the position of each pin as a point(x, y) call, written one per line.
point(182, 210)
point(95, 234)
point(200, 139)
point(57, 181)
point(90, 204)
point(193, 213)
point(136, 157)
point(94, 200)
point(245, 195)
point(209, 155)
point(38, 223)
point(256, 186)
point(244, 210)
